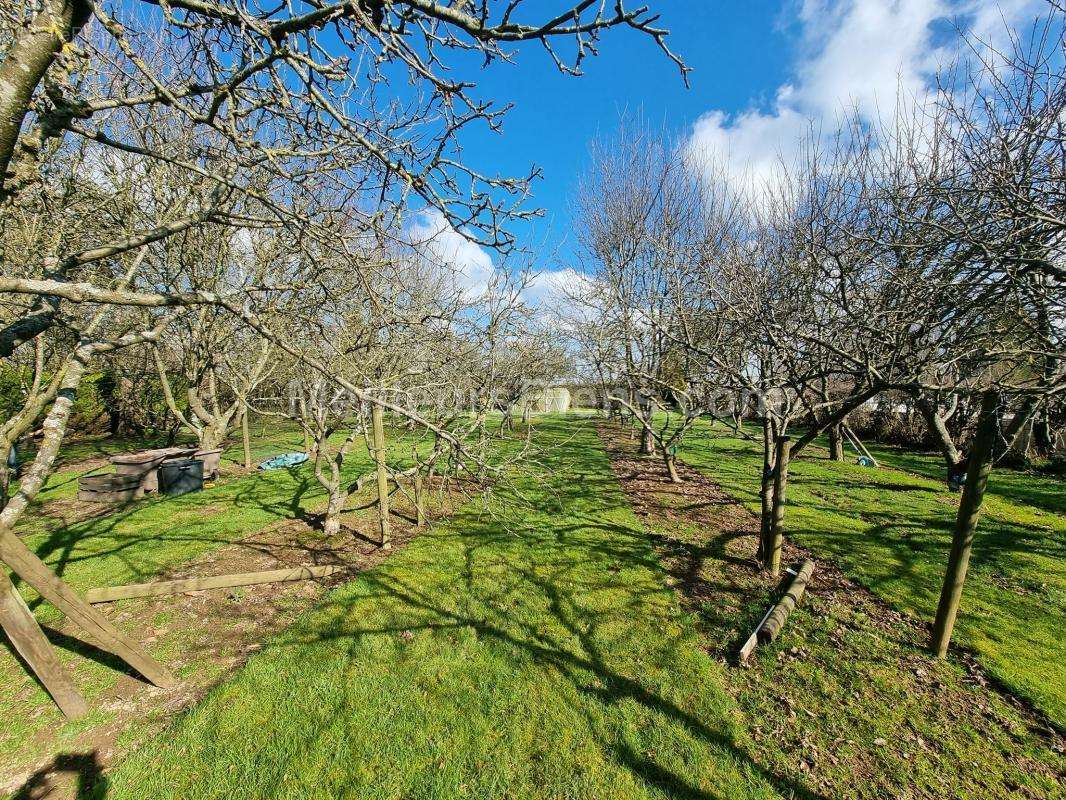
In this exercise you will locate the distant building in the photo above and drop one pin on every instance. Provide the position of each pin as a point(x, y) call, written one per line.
point(549, 400)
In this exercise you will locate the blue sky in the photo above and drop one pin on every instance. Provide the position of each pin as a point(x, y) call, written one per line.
point(763, 73)
point(739, 52)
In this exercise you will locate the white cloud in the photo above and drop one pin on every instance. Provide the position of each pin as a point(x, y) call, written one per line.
point(445, 248)
point(856, 54)
point(469, 267)
point(553, 289)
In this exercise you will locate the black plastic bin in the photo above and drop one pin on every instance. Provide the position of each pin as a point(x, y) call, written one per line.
point(181, 476)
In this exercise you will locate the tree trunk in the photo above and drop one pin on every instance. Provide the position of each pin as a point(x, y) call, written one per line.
point(670, 460)
point(836, 442)
point(777, 534)
point(27, 60)
point(980, 466)
point(938, 428)
point(647, 441)
point(331, 524)
point(5, 482)
point(1042, 435)
point(212, 436)
point(420, 499)
point(766, 492)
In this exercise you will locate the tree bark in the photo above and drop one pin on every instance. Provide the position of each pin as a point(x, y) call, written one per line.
point(777, 534)
point(766, 492)
point(980, 466)
point(24, 67)
point(670, 460)
point(938, 428)
point(647, 441)
point(836, 442)
point(420, 499)
point(331, 524)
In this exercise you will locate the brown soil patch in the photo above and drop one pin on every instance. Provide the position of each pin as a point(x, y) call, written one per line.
point(211, 634)
point(718, 578)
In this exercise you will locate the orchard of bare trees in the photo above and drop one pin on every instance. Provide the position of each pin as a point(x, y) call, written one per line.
point(224, 223)
point(211, 200)
point(917, 262)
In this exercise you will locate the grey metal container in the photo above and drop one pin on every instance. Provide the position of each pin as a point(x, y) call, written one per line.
point(181, 476)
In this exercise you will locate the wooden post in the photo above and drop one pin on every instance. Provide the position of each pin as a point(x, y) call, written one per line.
point(247, 439)
point(973, 493)
point(29, 640)
point(420, 502)
point(383, 476)
point(784, 448)
point(25, 563)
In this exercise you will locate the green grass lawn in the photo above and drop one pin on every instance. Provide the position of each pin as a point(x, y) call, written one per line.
point(533, 652)
point(890, 529)
point(139, 541)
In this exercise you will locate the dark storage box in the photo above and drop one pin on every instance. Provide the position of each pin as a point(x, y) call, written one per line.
point(181, 476)
point(108, 488)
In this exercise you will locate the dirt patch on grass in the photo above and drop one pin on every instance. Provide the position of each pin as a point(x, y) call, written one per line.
point(202, 637)
point(847, 703)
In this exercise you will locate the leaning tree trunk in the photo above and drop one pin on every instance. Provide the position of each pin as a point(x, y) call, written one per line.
point(25, 64)
point(980, 466)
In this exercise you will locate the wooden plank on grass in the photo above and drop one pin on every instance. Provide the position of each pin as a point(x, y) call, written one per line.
point(163, 588)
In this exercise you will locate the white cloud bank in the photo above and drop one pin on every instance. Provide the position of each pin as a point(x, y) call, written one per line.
point(443, 246)
point(856, 54)
point(472, 267)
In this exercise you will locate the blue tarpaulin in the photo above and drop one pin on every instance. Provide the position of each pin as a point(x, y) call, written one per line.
point(282, 461)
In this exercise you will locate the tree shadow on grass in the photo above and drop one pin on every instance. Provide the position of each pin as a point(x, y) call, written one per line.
point(569, 587)
point(568, 640)
point(84, 768)
point(133, 533)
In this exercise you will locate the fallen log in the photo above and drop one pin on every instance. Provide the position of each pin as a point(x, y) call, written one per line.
point(770, 629)
point(163, 588)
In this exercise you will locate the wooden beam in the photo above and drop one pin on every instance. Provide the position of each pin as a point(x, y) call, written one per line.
point(25, 563)
point(420, 500)
point(30, 642)
point(247, 438)
point(383, 475)
point(164, 588)
point(777, 617)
